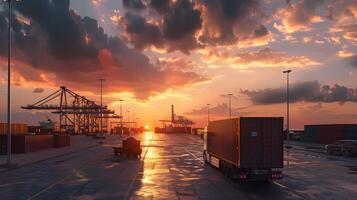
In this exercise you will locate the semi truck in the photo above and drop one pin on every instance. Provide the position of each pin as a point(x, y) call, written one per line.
point(246, 148)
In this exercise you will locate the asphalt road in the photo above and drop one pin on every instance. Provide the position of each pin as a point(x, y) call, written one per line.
point(171, 167)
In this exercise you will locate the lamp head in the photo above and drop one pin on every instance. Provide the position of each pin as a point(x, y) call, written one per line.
point(287, 71)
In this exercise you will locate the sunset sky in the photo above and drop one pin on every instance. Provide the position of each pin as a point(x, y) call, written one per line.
point(154, 53)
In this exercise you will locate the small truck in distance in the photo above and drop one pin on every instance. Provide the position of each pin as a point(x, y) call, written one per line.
point(246, 148)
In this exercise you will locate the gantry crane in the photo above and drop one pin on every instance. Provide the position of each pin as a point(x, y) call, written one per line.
point(77, 114)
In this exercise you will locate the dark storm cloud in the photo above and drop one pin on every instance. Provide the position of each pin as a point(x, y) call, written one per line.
point(38, 90)
point(161, 6)
point(141, 33)
point(310, 91)
point(55, 41)
point(180, 22)
point(134, 4)
point(261, 31)
point(44, 13)
point(228, 20)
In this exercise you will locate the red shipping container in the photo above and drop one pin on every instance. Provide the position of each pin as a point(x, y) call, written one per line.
point(27, 143)
point(61, 141)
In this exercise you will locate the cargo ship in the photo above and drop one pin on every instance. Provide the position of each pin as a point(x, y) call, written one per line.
point(177, 124)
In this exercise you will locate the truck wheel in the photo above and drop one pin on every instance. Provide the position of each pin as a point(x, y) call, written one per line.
point(223, 168)
point(205, 157)
point(229, 172)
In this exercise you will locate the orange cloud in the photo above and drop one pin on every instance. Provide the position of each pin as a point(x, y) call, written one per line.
point(298, 17)
point(265, 58)
point(344, 54)
point(176, 63)
point(348, 31)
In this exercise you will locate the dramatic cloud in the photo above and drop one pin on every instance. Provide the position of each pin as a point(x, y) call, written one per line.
point(262, 58)
point(219, 109)
point(176, 29)
point(51, 39)
point(185, 25)
point(38, 90)
point(310, 91)
point(349, 31)
point(344, 54)
point(176, 63)
point(298, 16)
point(181, 23)
point(134, 4)
point(141, 33)
point(229, 21)
point(342, 10)
point(161, 6)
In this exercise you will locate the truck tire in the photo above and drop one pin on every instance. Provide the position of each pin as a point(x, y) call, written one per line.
point(205, 157)
point(229, 172)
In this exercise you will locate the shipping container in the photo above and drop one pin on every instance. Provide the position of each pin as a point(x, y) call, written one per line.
point(329, 133)
point(248, 148)
point(15, 128)
point(61, 140)
point(26, 143)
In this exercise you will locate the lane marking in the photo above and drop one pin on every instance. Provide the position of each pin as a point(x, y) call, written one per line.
point(283, 186)
point(244, 193)
point(49, 187)
point(61, 180)
point(194, 156)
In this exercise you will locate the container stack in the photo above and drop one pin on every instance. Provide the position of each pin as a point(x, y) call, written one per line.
point(16, 129)
point(329, 133)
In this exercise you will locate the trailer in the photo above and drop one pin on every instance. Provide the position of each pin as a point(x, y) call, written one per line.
point(246, 148)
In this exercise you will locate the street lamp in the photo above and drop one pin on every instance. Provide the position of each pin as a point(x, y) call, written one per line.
point(287, 72)
point(101, 104)
point(128, 118)
point(121, 110)
point(8, 127)
point(230, 105)
point(121, 114)
point(208, 105)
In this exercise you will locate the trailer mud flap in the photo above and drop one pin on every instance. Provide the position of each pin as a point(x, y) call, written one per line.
point(214, 161)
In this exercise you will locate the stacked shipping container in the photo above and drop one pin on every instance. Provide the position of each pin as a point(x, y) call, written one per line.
point(329, 133)
point(15, 128)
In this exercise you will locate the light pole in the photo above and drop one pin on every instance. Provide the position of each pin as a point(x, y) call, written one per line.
point(128, 118)
point(230, 105)
point(101, 104)
point(121, 115)
point(8, 127)
point(287, 72)
point(134, 122)
point(208, 105)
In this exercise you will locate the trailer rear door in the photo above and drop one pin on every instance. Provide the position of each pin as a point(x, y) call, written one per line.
point(261, 142)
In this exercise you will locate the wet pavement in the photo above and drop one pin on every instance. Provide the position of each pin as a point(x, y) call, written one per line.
point(171, 167)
